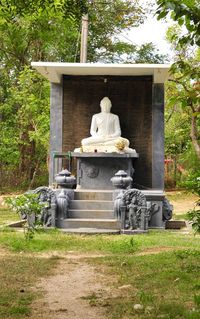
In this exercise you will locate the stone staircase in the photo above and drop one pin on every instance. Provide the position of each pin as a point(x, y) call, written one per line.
point(91, 212)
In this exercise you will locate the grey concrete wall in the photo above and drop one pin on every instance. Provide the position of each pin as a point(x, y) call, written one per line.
point(158, 136)
point(56, 124)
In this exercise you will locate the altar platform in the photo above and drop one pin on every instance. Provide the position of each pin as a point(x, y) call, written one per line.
point(94, 170)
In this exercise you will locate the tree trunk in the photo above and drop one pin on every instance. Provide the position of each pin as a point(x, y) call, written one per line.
point(34, 174)
point(194, 136)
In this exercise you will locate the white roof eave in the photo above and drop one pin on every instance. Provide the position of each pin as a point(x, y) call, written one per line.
point(53, 71)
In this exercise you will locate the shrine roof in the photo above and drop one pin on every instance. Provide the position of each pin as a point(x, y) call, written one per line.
point(53, 71)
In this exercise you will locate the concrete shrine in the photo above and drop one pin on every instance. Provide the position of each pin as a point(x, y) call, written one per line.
point(136, 92)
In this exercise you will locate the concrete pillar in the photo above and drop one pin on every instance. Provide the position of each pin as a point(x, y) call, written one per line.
point(158, 136)
point(56, 124)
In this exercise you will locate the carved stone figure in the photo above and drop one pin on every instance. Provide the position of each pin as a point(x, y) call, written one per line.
point(131, 206)
point(63, 200)
point(55, 206)
point(105, 132)
point(47, 195)
point(167, 210)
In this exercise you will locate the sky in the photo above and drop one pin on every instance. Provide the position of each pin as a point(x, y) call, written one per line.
point(151, 31)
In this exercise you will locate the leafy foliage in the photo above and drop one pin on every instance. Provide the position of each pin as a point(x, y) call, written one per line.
point(122, 52)
point(193, 182)
point(68, 8)
point(183, 109)
point(29, 32)
point(107, 20)
point(24, 127)
point(185, 12)
point(185, 87)
point(194, 217)
point(148, 53)
point(27, 206)
point(49, 30)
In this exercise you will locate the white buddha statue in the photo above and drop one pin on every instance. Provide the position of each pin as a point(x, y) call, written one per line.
point(105, 133)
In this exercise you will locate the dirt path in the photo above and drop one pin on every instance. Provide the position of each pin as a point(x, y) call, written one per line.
point(182, 202)
point(68, 292)
point(65, 294)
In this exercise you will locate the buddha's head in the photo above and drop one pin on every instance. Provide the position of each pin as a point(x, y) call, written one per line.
point(105, 105)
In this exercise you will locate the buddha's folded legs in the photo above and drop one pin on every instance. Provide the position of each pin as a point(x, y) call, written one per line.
point(102, 141)
point(92, 140)
point(117, 140)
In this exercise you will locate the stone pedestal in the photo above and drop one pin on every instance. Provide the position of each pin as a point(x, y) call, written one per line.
point(155, 199)
point(94, 170)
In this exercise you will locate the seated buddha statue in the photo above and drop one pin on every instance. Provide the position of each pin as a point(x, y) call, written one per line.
point(105, 133)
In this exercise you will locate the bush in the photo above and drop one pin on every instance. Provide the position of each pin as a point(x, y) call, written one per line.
point(28, 207)
point(194, 217)
point(192, 183)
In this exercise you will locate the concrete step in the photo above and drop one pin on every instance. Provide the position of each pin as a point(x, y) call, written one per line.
point(108, 194)
point(89, 223)
point(93, 214)
point(91, 204)
point(154, 195)
point(90, 231)
point(93, 195)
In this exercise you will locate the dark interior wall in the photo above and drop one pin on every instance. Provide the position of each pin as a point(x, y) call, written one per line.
point(131, 100)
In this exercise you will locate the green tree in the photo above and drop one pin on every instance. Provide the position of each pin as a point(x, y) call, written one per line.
point(184, 12)
point(68, 8)
point(30, 30)
point(183, 109)
point(49, 30)
point(148, 53)
point(185, 85)
point(122, 52)
point(107, 19)
point(24, 128)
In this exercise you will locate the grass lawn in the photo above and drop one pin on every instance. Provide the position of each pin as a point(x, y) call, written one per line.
point(7, 216)
point(54, 240)
point(159, 271)
point(165, 285)
point(17, 275)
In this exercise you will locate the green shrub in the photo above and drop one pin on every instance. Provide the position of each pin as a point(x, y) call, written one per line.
point(27, 206)
point(192, 183)
point(194, 217)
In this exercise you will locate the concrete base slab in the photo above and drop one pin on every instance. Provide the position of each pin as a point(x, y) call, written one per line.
point(73, 223)
point(133, 231)
point(19, 223)
point(89, 231)
point(175, 224)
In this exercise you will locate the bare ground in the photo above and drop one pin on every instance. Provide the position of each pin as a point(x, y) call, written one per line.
point(69, 291)
point(182, 204)
point(65, 294)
